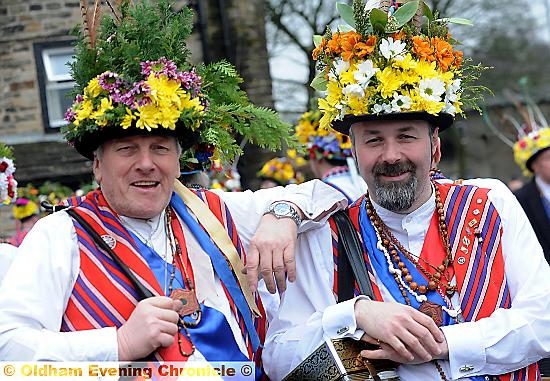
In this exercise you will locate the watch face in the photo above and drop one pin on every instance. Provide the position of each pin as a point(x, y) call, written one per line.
point(281, 208)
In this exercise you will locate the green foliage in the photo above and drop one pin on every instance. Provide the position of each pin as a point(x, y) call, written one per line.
point(346, 13)
point(361, 16)
point(148, 30)
point(6, 151)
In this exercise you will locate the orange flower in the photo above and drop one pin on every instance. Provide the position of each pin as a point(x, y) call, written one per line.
point(398, 35)
point(364, 48)
point(458, 58)
point(444, 53)
point(318, 50)
point(423, 49)
point(348, 41)
point(334, 44)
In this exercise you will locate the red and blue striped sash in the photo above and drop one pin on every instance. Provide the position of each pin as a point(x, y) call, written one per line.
point(477, 263)
point(104, 297)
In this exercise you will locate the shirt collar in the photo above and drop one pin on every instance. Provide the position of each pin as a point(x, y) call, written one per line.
point(544, 187)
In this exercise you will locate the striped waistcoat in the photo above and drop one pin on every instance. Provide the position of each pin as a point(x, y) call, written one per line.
point(104, 297)
point(478, 264)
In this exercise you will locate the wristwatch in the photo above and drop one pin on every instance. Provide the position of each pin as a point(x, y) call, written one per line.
point(282, 209)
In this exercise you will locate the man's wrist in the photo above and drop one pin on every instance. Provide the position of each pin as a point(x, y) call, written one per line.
point(285, 209)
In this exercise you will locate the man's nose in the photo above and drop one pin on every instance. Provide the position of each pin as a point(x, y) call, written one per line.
point(391, 152)
point(145, 160)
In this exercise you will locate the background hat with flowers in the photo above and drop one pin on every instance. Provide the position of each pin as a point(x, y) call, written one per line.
point(27, 203)
point(394, 61)
point(321, 142)
point(284, 170)
point(531, 131)
point(8, 185)
point(133, 76)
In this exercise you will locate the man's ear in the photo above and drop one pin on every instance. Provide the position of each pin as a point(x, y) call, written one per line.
point(436, 148)
point(96, 169)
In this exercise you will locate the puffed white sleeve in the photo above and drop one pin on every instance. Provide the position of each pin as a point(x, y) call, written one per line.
point(35, 293)
point(510, 338)
point(314, 198)
point(308, 313)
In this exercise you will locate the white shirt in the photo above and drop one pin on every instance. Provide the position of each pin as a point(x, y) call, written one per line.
point(35, 292)
point(7, 255)
point(544, 188)
point(505, 341)
point(353, 186)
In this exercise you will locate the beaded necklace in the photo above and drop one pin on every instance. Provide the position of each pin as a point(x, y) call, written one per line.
point(390, 244)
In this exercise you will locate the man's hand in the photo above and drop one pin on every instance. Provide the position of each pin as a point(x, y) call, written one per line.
point(271, 253)
point(152, 324)
point(404, 334)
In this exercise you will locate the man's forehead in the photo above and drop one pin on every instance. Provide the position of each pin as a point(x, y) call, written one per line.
point(142, 138)
point(371, 127)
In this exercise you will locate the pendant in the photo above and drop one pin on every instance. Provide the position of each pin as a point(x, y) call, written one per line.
point(191, 311)
point(433, 310)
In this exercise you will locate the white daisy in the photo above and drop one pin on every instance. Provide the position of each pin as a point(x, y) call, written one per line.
point(381, 108)
point(431, 89)
point(400, 102)
point(365, 71)
point(392, 49)
point(340, 66)
point(354, 90)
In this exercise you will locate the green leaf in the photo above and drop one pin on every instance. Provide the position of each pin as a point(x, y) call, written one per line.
point(378, 19)
point(405, 13)
point(319, 83)
point(456, 20)
point(346, 13)
point(317, 39)
point(426, 11)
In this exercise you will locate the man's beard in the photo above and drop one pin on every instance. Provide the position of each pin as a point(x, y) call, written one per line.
point(397, 196)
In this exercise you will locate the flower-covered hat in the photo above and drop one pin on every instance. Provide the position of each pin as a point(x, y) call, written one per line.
point(394, 61)
point(133, 77)
point(321, 142)
point(529, 146)
point(8, 185)
point(283, 170)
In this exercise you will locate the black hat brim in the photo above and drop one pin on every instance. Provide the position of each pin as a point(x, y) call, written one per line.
point(88, 143)
point(442, 120)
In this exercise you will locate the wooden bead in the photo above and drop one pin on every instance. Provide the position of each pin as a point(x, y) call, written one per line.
point(432, 285)
point(437, 275)
point(413, 286)
point(401, 265)
point(405, 271)
point(441, 268)
point(408, 278)
point(422, 289)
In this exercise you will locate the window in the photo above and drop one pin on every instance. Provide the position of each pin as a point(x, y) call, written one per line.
point(54, 81)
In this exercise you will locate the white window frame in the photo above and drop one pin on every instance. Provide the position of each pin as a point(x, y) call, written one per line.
point(52, 114)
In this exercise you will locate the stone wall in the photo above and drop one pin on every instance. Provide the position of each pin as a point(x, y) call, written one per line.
point(22, 23)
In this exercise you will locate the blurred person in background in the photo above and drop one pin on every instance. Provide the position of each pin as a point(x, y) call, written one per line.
point(330, 156)
point(281, 171)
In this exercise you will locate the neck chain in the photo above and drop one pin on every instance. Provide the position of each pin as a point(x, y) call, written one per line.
point(177, 258)
point(439, 280)
point(145, 240)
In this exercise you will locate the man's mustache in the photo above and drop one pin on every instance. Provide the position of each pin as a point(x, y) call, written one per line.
point(396, 169)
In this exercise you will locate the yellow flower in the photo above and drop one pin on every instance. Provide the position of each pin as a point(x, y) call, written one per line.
point(147, 117)
point(407, 63)
point(93, 89)
point(389, 81)
point(128, 119)
point(85, 110)
point(426, 69)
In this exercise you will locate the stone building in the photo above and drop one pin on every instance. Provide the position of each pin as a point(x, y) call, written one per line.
point(35, 45)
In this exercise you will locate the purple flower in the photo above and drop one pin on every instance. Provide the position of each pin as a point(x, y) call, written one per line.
point(110, 81)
